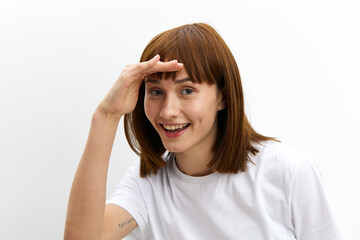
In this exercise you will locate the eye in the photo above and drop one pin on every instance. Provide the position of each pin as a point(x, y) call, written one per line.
point(155, 92)
point(187, 91)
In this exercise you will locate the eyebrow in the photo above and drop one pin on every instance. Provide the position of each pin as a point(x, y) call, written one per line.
point(176, 81)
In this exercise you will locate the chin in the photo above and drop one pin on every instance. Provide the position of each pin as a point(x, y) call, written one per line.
point(172, 148)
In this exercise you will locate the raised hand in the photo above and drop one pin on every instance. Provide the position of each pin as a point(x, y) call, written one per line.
point(122, 97)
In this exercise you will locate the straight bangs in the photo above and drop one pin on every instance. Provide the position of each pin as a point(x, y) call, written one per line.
point(194, 45)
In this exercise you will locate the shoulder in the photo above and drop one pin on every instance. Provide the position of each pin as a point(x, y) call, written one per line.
point(134, 174)
point(280, 158)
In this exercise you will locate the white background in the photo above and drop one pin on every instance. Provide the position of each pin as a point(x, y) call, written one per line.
point(299, 62)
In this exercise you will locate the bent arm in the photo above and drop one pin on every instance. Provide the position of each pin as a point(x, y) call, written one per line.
point(86, 215)
point(86, 209)
point(118, 223)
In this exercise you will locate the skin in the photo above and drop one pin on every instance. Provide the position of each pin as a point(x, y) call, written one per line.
point(88, 217)
point(180, 101)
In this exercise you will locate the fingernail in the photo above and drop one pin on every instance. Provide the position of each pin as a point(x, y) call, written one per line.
point(155, 56)
point(173, 61)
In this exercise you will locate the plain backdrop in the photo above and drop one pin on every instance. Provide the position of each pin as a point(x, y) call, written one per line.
point(299, 63)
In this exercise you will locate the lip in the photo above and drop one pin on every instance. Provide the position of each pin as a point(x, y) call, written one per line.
point(173, 134)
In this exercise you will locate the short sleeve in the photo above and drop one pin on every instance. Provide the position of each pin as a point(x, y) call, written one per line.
point(128, 195)
point(311, 214)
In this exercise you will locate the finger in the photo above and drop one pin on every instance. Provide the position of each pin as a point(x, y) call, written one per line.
point(171, 66)
point(143, 66)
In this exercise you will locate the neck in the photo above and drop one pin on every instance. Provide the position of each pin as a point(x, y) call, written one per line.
point(194, 163)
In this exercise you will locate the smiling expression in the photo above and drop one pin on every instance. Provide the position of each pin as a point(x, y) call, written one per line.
point(183, 112)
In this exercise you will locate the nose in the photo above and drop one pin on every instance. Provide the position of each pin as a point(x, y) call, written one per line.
point(171, 107)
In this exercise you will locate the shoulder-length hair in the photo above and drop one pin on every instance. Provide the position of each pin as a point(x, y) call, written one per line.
point(207, 59)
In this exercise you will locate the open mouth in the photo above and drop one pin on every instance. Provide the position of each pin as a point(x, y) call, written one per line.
point(175, 128)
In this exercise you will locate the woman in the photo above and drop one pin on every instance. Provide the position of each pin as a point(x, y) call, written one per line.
point(204, 173)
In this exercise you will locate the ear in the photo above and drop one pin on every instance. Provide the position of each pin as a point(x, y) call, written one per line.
point(221, 102)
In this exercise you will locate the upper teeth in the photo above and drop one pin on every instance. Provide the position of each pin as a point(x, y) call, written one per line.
point(173, 127)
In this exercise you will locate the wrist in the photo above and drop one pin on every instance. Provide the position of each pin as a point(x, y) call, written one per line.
point(101, 114)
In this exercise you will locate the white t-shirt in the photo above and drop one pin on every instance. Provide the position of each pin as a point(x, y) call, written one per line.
point(280, 197)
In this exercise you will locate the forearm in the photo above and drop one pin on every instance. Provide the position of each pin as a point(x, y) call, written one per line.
point(87, 198)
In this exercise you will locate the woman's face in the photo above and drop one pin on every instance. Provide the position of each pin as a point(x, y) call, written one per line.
point(182, 112)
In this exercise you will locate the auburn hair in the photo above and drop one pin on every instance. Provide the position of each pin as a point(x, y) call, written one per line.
point(207, 59)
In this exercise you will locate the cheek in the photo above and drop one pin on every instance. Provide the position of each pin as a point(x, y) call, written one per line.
point(194, 110)
point(204, 111)
point(146, 107)
point(149, 110)
point(205, 105)
point(198, 112)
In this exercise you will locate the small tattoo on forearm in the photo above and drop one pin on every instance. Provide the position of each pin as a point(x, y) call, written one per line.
point(123, 224)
